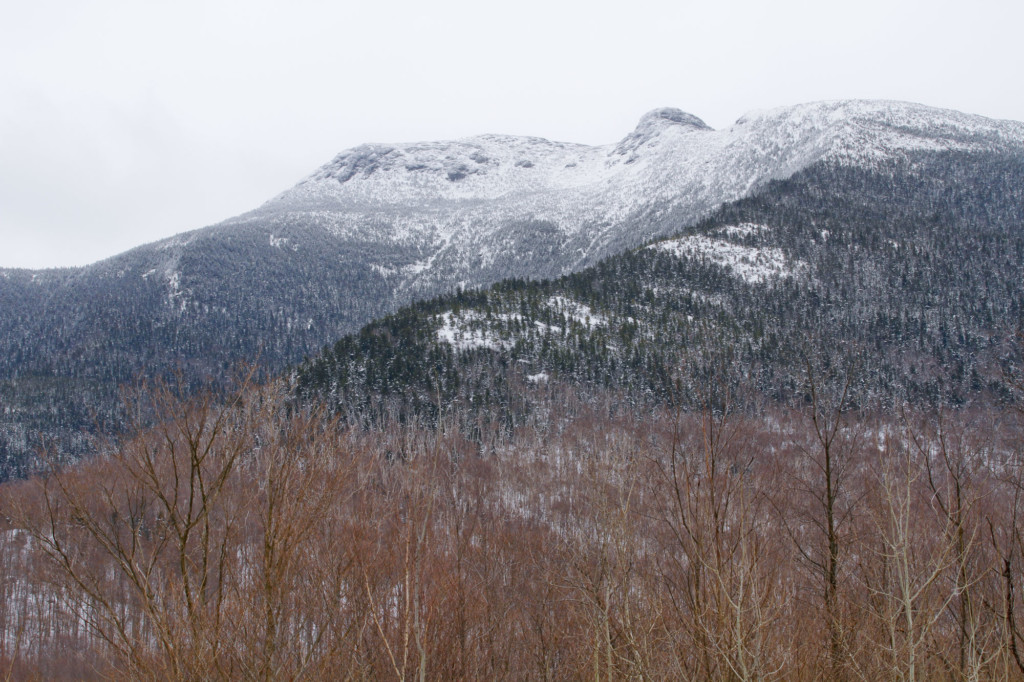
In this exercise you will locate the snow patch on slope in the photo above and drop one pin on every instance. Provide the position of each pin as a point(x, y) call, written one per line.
point(459, 333)
point(282, 243)
point(742, 230)
point(574, 310)
point(754, 265)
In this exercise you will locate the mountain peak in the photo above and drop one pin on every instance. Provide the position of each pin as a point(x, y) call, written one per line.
point(653, 123)
point(670, 115)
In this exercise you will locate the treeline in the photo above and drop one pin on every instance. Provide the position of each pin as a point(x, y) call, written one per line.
point(246, 538)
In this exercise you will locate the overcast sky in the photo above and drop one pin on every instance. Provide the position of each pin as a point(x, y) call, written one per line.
point(125, 122)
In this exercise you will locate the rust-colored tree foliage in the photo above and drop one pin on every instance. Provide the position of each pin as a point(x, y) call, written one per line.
point(244, 538)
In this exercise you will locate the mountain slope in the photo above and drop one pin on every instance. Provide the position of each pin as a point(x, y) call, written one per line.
point(382, 225)
point(909, 282)
point(463, 206)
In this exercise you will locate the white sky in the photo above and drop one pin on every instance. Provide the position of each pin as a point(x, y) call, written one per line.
point(124, 122)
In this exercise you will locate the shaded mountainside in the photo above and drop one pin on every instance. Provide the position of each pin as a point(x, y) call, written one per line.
point(383, 225)
point(910, 277)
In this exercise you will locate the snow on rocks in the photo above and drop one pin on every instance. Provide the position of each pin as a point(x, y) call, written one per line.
point(463, 206)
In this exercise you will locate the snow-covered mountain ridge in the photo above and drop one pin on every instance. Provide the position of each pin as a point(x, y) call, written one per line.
point(461, 204)
point(667, 145)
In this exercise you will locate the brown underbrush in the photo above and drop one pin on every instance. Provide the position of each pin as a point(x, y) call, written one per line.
point(243, 539)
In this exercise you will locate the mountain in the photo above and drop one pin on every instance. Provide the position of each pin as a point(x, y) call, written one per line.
point(904, 280)
point(488, 207)
point(383, 225)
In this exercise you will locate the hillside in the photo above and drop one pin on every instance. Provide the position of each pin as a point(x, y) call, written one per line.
point(912, 286)
point(777, 437)
point(383, 225)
